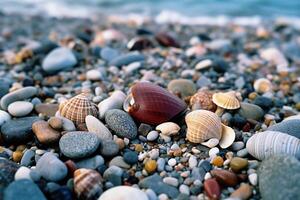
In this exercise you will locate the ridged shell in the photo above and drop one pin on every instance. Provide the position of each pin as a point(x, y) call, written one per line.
point(228, 137)
point(151, 104)
point(203, 125)
point(265, 144)
point(262, 85)
point(77, 108)
point(226, 100)
point(203, 100)
point(87, 184)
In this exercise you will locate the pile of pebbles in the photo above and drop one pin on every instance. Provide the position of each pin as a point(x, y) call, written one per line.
point(106, 110)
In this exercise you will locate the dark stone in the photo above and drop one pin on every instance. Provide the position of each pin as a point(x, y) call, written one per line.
point(130, 157)
point(18, 130)
point(155, 183)
point(144, 129)
point(126, 59)
point(264, 102)
point(7, 173)
point(23, 190)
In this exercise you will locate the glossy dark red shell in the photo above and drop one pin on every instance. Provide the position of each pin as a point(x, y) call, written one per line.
point(166, 40)
point(154, 104)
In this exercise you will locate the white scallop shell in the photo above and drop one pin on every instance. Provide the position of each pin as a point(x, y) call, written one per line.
point(265, 144)
point(228, 137)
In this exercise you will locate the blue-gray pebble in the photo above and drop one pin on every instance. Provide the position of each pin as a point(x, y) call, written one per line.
point(127, 59)
point(291, 127)
point(121, 123)
point(78, 144)
point(130, 157)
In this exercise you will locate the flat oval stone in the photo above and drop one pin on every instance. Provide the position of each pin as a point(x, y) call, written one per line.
point(126, 59)
point(237, 164)
point(109, 148)
point(94, 125)
point(23, 189)
point(44, 133)
point(108, 54)
point(20, 94)
point(225, 177)
point(59, 59)
point(182, 87)
point(90, 163)
point(18, 130)
point(290, 127)
point(251, 111)
point(121, 123)
point(124, 193)
point(279, 178)
point(20, 108)
point(78, 144)
point(50, 161)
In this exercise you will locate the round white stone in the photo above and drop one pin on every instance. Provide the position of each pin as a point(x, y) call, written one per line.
point(253, 179)
point(94, 75)
point(123, 193)
point(171, 181)
point(20, 108)
point(152, 135)
point(23, 173)
point(172, 162)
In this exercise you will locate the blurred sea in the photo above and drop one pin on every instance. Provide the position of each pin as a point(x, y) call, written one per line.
point(184, 11)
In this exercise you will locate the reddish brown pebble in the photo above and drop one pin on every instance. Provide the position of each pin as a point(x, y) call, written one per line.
point(55, 123)
point(243, 192)
point(44, 133)
point(212, 188)
point(166, 40)
point(71, 167)
point(225, 177)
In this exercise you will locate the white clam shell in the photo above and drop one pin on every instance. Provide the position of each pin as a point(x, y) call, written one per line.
point(168, 128)
point(265, 144)
point(228, 137)
point(115, 101)
point(211, 142)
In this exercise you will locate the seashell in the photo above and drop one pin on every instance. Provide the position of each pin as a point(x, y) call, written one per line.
point(87, 184)
point(228, 137)
point(203, 125)
point(211, 142)
point(166, 40)
point(262, 85)
point(168, 128)
point(292, 117)
point(115, 101)
point(226, 100)
point(182, 87)
point(265, 144)
point(139, 43)
point(151, 104)
point(203, 100)
point(77, 108)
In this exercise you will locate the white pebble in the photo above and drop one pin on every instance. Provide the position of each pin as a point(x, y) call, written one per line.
point(93, 75)
point(163, 197)
point(207, 176)
point(152, 135)
point(171, 181)
point(213, 152)
point(193, 162)
point(23, 173)
point(184, 189)
point(175, 146)
point(172, 162)
point(165, 138)
point(151, 194)
point(195, 150)
point(153, 154)
point(253, 179)
point(20, 108)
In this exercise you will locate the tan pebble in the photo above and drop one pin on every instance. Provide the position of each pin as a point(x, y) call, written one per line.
point(168, 128)
point(177, 152)
point(17, 156)
point(150, 166)
point(252, 95)
point(21, 148)
point(218, 161)
point(237, 164)
point(138, 148)
point(120, 143)
point(56, 123)
point(298, 106)
point(44, 133)
point(244, 192)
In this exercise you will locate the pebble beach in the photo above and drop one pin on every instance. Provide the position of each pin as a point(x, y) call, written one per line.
point(124, 109)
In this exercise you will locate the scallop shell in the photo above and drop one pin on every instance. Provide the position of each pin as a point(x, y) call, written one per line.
point(77, 108)
point(265, 144)
point(151, 104)
point(203, 125)
point(203, 100)
point(228, 137)
point(226, 100)
point(262, 85)
point(87, 184)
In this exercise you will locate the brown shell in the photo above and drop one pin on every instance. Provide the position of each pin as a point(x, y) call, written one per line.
point(203, 100)
point(203, 125)
point(87, 184)
point(166, 40)
point(226, 100)
point(77, 108)
point(151, 104)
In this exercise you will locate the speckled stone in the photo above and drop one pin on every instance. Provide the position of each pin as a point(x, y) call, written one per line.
point(109, 148)
point(7, 173)
point(279, 178)
point(78, 144)
point(121, 123)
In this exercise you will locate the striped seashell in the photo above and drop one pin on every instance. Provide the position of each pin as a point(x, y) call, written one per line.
point(87, 184)
point(203, 125)
point(262, 85)
point(226, 100)
point(265, 144)
point(77, 108)
point(203, 100)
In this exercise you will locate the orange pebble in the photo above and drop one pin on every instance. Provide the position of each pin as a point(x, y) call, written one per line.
point(218, 161)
